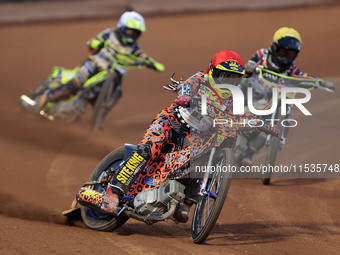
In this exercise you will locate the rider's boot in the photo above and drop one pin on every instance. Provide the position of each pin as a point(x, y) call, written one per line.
point(254, 145)
point(248, 158)
point(28, 101)
point(120, 183)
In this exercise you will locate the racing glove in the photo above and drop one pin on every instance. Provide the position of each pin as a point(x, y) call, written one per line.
point(151, 63)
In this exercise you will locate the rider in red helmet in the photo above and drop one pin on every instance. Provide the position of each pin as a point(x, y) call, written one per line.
point(173, 125)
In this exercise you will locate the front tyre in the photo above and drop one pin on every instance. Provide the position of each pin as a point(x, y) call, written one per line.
point(210, 204)
point(97, 220)
point(103, 102)
point(273, 149)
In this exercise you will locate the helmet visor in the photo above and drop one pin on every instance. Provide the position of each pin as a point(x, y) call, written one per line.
point(290, 43)
point(287, 53)
point(225, 77)
point(129, 36)
point(132, 32)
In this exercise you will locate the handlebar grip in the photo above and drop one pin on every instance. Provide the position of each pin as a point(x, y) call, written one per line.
point(326, 85)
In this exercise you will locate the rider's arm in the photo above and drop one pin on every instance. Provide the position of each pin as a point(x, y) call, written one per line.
point(148, 61)
point(188, 89)
point(138, 52)
point(254, 61)
point(97, 42)
point(296, 72)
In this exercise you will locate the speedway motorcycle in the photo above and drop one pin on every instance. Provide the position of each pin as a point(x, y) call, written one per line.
point(160, 187)
point(271, 79)
point(101, 91)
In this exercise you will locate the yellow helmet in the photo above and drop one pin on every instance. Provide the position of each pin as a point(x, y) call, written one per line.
point(286, 45)
point(226, 67)
point(284, 32)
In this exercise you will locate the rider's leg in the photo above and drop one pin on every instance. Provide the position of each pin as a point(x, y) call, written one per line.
point(255, 143)
point(29, 100)
point(155, 138)
point(120, 183)
point(125, 176)
point(82, 73)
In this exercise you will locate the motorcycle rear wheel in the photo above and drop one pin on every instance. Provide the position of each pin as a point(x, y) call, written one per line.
point(209, 206)
point(94, 219)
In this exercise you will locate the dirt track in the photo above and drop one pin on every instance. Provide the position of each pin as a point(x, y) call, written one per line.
point(43, 163)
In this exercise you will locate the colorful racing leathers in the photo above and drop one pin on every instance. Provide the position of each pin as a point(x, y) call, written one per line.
point(253, 142)
point(172, 127)
point(262, 58)
point(106, 50)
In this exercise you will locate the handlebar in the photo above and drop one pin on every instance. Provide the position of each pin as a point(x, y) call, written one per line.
point(173, 85)
point(326, 85)
point(274, 79)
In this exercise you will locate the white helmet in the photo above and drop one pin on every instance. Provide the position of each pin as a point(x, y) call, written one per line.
point(130, 26)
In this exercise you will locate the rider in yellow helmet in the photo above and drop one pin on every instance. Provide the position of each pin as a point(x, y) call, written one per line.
point(279, 57)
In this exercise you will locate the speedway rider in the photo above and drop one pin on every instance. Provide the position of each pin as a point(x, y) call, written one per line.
point(172, 125)
point(280, 58)
point(123, 40)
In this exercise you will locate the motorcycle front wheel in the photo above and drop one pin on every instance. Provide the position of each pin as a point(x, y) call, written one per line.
point(210, 204)
point(103, 102)
point(273, 150)
point(94, 219)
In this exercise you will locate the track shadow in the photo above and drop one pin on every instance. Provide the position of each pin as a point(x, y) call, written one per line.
point(157, 229)
point(222, 235)
point(267, 232)
point(235, 234)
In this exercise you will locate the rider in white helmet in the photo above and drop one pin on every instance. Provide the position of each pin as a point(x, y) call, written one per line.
point(104, 49)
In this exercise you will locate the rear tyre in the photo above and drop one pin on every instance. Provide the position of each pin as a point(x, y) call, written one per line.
point(97, 220)
point(209, 206)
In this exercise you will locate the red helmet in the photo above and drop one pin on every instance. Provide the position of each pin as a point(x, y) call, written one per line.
point(226, 67)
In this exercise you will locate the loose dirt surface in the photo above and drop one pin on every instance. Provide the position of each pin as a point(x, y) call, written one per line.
point(44, 163)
